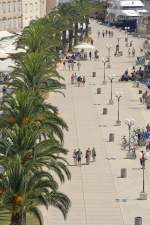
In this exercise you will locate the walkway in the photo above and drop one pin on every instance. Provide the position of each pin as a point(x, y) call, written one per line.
point(99, 196)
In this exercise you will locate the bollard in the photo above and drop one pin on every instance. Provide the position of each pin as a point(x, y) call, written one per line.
point(123, 172)
point(143, 196)
point(137, 84)
point(111, 137)
point(105, 111)
point(94, 74)
point(138, 220)
point(140, 91)
point(98, 90)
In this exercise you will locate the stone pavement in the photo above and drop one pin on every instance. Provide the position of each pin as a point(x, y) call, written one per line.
point(99, 196)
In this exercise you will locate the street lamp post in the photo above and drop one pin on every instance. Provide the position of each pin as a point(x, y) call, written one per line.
point(143, 194)
point(118, 96)
point(130, 123)
point(108, 49)
point(104, 63)
point(126, 38)
point(111, 78)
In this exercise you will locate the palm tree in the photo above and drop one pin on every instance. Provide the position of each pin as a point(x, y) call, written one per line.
point(26, 108)
point(24, 191)
point(36, 73)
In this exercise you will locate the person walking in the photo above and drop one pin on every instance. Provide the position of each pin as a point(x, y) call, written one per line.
point(129, 52)
point(98, 34)
point(92, 41)
point(133, 52)
point(87, 156)
point(103, 34)
point(75, 157)
point(78, 65)
point(72, 79)
point(83, 80)
point(79, 156)
point(93, 154)
point(64, 65)
point(142, 158)
point(90, 55)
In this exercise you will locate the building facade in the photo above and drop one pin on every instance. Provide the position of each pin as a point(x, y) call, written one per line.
point(11, 15)
point(32, 10)
point(17, 14)
point(50, 5)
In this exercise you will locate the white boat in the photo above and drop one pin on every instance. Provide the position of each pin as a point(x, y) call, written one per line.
point(124, 13)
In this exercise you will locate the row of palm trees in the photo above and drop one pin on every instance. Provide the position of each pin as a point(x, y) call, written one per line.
point(32, 153)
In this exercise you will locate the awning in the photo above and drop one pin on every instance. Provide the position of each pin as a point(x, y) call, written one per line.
point(84, 46)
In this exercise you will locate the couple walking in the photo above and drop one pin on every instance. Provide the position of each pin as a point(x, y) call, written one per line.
point(88, 155)
point(77, 156)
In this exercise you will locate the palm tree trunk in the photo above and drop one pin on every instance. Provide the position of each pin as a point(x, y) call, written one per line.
point(70, 40)
point(76, 34)
point(87, 26)
point(18, 219)
point(64, 41)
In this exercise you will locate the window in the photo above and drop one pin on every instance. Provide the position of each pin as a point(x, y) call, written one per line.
point(4, 7)
point(9, 23)
point(19, 6)
point(36, 6)
point(14, 6)
point(26, 8)
point(9, 7)
point(31, 7)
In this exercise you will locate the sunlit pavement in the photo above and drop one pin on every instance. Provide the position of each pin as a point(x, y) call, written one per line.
point(99, 196)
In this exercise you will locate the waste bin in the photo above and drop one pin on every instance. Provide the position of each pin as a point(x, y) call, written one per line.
point(111, 137)
point(94, 74)
point(123, 172)
point(98, 90)
point(138, 220)
point(105, 111)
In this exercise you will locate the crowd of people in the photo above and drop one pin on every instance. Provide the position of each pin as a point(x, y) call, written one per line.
point(78, 156)
point(78, 80)
point(105, 33)
point(135, 74)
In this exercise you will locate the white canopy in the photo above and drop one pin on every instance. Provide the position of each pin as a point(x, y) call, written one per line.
point(5, 34)
point(3, 55)
point(84, 46)
point(130, 13)
point(147, 63)
point(131, 3)
point(5, 65)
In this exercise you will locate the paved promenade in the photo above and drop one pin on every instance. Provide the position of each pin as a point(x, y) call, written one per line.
point(99, 196)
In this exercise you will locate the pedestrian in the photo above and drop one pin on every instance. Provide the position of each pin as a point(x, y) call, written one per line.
point(148, 127)
point(78, 65)
point(4, 90)
point(106, 32)
point(92, 41)
point(129, 52)
point(142, 159)
point(72, 79)
point(133, 52)
point(90, 55)
point(64, 65)
point(72, 65)
point(87, 156)
point(83, 80)
point(69, 66)
point(79, 156)
point(98, 34)
point(75, 78)
point(130, 43)
point(93, 154)
point(103, 34)
point(79, 80)
point(75, 157)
